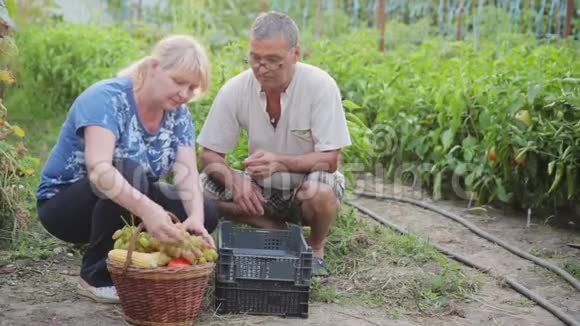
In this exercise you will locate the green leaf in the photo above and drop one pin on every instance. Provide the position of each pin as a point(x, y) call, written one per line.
point(469, 141)
point(470, 179)
point(11, 7)
point(6, 77)
point(532, 93)
point(516, 105)
point(500, 191)
point(437, 186)
point(18, 131)
point(557, 177)
point(468, 155)
point(441, 260)
point(567, 152)
point(461, 169)
point(351, 117)
point(485, 119)
point(551, 166)
point(351, 105)
point(437, 282)
point(457, 106)
point(447, 138)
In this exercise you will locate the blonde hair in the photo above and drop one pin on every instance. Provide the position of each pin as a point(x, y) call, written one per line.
point(178, 53)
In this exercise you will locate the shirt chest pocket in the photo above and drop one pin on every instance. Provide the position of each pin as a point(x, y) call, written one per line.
point(301, 136)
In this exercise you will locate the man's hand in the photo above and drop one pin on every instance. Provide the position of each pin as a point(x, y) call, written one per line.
point(247, 197)
point(196, 226)
point(262, 164)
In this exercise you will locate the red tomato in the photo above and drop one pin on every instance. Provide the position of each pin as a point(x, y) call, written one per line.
point(491, 154)
point(178, 262)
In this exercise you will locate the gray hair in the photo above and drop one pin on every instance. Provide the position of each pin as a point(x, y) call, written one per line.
point(272, 24)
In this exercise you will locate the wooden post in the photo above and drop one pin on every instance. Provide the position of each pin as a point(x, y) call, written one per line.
point(381, 20)
point(458, 29)
point(263, 6)
point(319, 9)
point(557, 19)
point(139, 10)
point(569, 13)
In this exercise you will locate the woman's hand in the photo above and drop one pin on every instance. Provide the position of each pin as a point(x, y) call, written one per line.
point(159, 224)
point(196, 226)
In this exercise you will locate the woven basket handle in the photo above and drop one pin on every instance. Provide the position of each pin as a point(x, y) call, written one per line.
point(133, 240)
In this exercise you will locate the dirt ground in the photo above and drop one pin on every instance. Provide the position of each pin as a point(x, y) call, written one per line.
point(43, 292)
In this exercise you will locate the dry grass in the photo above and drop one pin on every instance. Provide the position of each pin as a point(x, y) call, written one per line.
point(403, 275)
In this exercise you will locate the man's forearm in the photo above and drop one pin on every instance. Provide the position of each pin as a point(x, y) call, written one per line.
point(216, 167)
point(306, 163)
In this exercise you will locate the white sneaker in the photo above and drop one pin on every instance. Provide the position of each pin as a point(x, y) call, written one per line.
point(105, 294)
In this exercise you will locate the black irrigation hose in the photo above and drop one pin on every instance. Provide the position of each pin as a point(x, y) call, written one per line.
point(473, 228)
point(514, 284)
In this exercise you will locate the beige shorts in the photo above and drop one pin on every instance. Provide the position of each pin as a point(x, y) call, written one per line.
point(281, 204)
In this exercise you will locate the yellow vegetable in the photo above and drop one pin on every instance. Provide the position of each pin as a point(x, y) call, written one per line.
point(117, 234)
point(138, 259)
point(154, 244)
point(210, 254)
point(163, 259)
point(119, 244)
point(190, 256)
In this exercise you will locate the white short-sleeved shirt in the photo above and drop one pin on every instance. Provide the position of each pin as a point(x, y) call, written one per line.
point(312, 117)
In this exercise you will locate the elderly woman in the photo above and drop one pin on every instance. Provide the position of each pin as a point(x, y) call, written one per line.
point(120, 137)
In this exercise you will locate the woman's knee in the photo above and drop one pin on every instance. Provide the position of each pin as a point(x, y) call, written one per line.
point(211, 214)
point(67, 216)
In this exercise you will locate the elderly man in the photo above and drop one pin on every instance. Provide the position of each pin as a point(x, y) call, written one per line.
point(296, 128)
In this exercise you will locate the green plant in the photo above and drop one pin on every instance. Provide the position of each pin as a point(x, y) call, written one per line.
point(545, 253)
point(450, 276)
point(15, 164)
point(436, 108)
point(33, 11)
point(522, 302)
point(573, 268)
point(374, 265)
point(59, 61)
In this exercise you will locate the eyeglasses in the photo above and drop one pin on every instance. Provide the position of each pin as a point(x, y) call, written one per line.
point(268, 63)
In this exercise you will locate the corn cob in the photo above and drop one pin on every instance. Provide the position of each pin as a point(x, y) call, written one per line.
point(138, 259)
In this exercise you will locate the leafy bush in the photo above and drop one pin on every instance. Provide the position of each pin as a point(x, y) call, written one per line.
point(56, 63)
point(15, 164)
point(437, 109)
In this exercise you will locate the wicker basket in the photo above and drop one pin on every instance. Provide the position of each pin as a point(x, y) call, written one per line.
point(168, 296)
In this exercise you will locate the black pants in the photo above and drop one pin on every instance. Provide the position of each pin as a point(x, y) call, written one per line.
point(78, 215)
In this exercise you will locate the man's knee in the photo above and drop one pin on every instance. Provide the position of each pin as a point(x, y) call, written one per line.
point(317, 192)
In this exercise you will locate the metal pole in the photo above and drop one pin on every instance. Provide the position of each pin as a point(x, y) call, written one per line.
point(381, 17)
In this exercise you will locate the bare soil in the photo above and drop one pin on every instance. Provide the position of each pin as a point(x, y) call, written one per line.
point(42, 292)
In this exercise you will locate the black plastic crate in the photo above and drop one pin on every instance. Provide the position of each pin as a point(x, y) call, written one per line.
point(257, 297)
point(263, 254)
